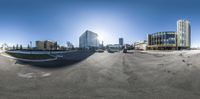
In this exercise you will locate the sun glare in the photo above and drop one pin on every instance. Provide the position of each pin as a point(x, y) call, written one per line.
point(100, 38)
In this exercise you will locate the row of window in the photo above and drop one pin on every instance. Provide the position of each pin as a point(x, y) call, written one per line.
point(163, 42)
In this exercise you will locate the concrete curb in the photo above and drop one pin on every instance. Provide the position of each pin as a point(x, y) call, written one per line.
point(28, 60)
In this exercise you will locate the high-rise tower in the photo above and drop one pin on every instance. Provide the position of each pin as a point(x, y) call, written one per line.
point(183, 34)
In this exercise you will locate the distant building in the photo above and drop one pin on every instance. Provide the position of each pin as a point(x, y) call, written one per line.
point(4, 47)
point(121, 41)
point(141, 45)
point(46, 45)
point(113, 47)
point(89, 40)
point(40, 45)
point(183, 34)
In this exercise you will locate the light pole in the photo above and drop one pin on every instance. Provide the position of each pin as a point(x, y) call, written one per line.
point(31, 47)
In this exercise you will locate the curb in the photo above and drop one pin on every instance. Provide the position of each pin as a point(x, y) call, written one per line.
point(28, 60)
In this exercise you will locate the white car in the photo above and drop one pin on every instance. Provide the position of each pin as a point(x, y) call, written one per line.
point(100, 50)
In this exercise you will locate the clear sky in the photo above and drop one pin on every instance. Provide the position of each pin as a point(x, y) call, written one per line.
point(22, 21)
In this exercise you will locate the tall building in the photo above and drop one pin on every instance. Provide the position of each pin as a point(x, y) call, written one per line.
point(121, 41)
point(89, 40)
point(183, 34)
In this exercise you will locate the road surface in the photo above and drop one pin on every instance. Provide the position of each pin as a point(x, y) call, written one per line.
point(103, 76)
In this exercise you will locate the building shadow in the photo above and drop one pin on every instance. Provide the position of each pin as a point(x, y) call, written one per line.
point(66, 60)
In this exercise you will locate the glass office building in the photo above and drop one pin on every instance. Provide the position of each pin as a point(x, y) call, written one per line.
point(89, 40)
point(162, 40)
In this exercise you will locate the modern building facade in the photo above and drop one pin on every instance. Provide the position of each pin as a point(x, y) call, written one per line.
point(89, 40)
point(121, 41)
point(46, 45)
point(162, 40)
point(183, 34)
point(166, 40)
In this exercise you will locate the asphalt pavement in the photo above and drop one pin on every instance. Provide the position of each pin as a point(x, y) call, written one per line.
point(88, 75)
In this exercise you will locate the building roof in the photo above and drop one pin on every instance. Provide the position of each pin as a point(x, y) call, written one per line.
point(163, 32)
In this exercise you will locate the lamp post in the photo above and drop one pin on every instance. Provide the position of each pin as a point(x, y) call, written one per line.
point(31, 47)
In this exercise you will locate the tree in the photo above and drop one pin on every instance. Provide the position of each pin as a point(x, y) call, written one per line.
point(55, 45)
point(21, 47)
point(13, 47)
point(17, 47)
point(70, 45)
point(51, 46)
point(28, 46)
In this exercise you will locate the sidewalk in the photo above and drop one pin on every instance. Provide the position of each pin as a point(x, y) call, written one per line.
point(41, 52)
point(27, 60)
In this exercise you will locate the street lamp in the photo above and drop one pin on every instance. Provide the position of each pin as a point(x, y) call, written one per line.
point(31, 47)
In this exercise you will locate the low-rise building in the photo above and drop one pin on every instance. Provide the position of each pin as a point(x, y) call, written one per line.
point(40, 45)
point(141, 45)
point(4, 47)
point(113, 47)
point(46, 45)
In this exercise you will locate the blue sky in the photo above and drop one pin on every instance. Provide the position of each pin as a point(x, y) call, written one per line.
point(22, 21)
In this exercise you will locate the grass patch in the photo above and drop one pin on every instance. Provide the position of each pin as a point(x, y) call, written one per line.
point(30, 56)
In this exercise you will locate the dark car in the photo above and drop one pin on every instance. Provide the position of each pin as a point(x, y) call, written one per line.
point(125, 50)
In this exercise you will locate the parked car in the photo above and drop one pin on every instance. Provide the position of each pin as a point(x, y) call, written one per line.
point(124, 50)
point(100, 50)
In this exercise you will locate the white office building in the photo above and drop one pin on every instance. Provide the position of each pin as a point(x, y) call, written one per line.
point(141, 45)
point(89, 40)
point(183, 34)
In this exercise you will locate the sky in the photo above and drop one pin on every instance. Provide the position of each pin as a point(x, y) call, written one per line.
point(22, 21)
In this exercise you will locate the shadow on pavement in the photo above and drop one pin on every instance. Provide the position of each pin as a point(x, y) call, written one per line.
point(67, 60)
point(129, 52)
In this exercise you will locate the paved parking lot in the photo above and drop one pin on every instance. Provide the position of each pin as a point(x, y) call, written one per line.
point(102, 76)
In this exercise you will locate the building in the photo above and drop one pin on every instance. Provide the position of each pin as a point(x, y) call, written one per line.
point(113, 47)
point(141, 45)
point(46, 45)
point(175, 40)
point(162, 40)
point(4, 47)
point(89, 40)
point(121, 41)
point(40, 45)
point(183, 34)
